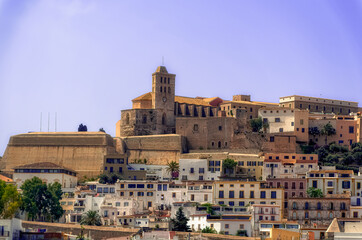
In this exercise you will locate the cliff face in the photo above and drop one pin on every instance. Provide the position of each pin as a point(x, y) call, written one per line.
point(81, 151)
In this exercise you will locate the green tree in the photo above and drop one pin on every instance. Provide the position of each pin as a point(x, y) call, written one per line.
point(327, 131)
point(242, 233)
point(173, 169)
point(82, 128)
point(228, 165)
point(10, 200)
point(41, 201)
point(314, 131)
point(256, 124)
point(314, 192)
point(91, 218)
point(180, 222)
point(209, 209)
point(208, 230)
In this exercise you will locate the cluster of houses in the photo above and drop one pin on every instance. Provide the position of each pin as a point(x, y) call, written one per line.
point(255, 197)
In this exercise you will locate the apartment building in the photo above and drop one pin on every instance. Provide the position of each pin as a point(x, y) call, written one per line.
point(346, 127)
point(146, 191)
point(226, 224)
point(314, 104)
point(319, 211)
point(48, 172)
point(241, 193)
point(265, 212)
point(331, 181)
point(199, 169)
point(113, 208)
point(286, 120)
point(288, 165)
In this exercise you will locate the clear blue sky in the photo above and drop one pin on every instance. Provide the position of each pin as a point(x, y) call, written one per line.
point(87, 59)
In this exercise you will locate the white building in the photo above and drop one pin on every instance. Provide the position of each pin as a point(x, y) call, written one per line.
point(48, 172)
point(153, 172)
point(228, 224)
point(198, 169)
point(10, 229)
point(113, 207)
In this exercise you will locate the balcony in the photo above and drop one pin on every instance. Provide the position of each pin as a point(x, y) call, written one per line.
point(4, 233)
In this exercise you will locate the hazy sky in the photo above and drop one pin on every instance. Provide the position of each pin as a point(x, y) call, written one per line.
point(87, 59)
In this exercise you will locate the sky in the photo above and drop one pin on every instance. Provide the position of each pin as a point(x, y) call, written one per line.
point(85, 60)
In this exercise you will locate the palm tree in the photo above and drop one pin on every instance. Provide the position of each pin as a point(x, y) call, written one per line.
point(328, 130)
point(91, 218)
point(173, 168)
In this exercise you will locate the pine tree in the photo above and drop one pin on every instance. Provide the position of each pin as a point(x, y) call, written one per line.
point(180, 222)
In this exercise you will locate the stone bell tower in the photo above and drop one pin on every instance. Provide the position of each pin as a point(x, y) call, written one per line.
point(163, 99)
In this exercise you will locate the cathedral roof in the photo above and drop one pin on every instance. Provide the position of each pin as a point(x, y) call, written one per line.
point(193, 101)
point(179, 99)
point(146, 96)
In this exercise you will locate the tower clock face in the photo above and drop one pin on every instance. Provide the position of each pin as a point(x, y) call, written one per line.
point(164, 99)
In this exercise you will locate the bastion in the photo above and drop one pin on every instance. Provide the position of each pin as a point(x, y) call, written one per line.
point(83, 152)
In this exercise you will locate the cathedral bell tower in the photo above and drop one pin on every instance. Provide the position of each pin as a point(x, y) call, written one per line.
point(163, 99)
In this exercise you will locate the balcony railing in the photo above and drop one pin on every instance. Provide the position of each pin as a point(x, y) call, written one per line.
point(4, 233)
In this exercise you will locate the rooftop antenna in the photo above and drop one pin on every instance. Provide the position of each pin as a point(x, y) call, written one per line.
point(41, 119)
point(48, 120)
point(55, 122)
point(163, 63)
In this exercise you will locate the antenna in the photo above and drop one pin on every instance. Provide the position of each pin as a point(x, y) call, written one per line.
point(163, 63)
point(48, 120)
point(41, 119)
point(55, 122)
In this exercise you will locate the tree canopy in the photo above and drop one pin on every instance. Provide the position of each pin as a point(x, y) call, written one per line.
point(314, 192)
point(41, 201)
point(10, 200)
point(82, 128)
point(180, 222)
point(91, 218)
point(208, 230)
point(173, 168)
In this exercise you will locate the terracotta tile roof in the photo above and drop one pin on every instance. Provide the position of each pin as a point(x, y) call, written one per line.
point(192, 101)
point(179, 99)
point(5, 179)
point(42, 165)
point(253, 103)
point(332, 171)
point(146, 96)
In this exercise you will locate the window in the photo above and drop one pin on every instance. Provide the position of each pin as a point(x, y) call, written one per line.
point(201, 170)
point(262, 194)
point(330, 183)
point(241, 194)
point(231, 203)
point(192, 197)
point(196, 127)
point(306, 205)
point(315, 184)
point(231, 194)
point(303, 130)
point(273, 194)
point(241, 204)
point(280, 129)
point(301, 185)
point(251, 194)
point(173, 195)
point(277, 119)
point(220, 128)
point(351, 129)
point(164, 187)
point(346, 184)
point(226, 226)
point(221, 194)
point(271, 139)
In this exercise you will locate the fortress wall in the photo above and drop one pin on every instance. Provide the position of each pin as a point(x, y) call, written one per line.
point(82, 152)
point(156, 149)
